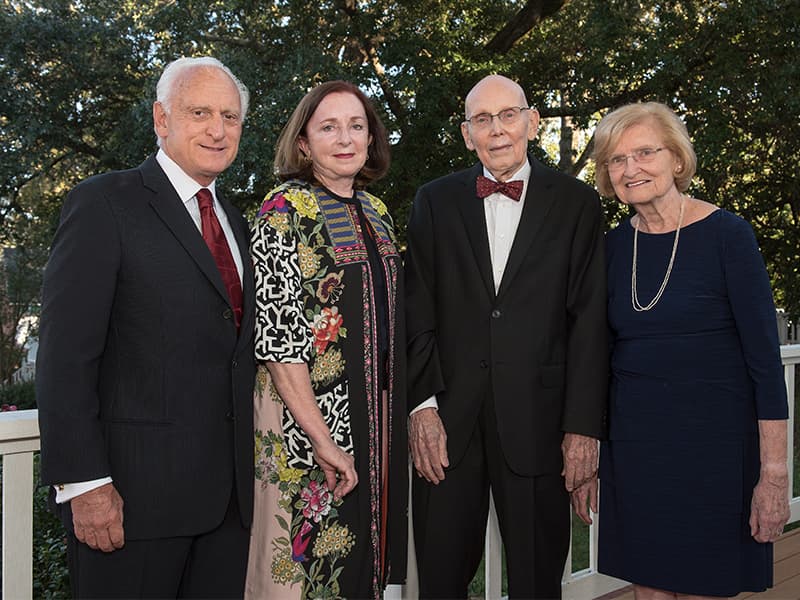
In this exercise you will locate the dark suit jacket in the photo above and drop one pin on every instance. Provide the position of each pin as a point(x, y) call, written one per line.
point(140, 372)
point(538, 346)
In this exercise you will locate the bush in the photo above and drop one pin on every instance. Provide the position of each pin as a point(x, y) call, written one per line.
point(22, 395)
point(50, 575)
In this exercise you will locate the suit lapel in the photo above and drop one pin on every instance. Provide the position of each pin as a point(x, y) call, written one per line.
point(539, 200)
point(173, 213)
point(473, 216)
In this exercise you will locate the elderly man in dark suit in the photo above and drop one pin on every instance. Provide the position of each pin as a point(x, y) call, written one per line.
point(145, 369)
point(507, 354)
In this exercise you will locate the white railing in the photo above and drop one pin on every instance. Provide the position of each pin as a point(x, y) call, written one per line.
point(788, 329)
point(19, 439)
point(790, 355)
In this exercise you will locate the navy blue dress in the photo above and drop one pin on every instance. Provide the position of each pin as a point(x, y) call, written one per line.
point(690, 379)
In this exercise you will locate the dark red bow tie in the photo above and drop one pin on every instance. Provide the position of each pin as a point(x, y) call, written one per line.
point(486, 187)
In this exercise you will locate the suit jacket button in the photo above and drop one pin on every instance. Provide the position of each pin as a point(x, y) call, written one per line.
point(229, 416)
point(484, 364)
point(235, 364)
point(496, 314)
point(227, 313)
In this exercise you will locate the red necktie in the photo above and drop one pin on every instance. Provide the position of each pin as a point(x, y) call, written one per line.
point(486, 187)
point(215, 238)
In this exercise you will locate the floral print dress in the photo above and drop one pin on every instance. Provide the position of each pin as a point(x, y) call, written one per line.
point(316, 304)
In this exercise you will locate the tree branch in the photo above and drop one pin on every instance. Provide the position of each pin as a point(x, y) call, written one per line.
point(533, 13)
point(368, 48)
point(579, 164)
point(262, 49)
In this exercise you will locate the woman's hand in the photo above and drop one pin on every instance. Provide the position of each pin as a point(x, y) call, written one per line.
point(769, 508)
point(338, 466)
point(293, 383)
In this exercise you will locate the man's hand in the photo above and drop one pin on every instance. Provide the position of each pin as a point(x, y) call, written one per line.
point(97, 518)
point(338, 466)
point(428, 442)
point(585, 494)
point(580, 460)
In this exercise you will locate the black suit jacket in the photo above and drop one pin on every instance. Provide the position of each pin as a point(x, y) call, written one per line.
point(140, 372)
point(538, 346)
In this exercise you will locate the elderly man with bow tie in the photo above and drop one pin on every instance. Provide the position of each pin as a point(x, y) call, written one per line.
point(506, 309)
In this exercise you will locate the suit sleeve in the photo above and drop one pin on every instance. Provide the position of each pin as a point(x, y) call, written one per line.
point(77, 300)
point(424, 369)
point(587, 348)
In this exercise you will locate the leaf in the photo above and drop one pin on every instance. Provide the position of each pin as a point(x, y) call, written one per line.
point(282, 522)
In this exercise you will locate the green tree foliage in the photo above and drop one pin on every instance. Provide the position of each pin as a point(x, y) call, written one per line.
point(19, 291)
point(77, 80)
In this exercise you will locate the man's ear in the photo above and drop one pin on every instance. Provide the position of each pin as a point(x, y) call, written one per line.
point(160, 119)
point(467, 138)
point(533, 124)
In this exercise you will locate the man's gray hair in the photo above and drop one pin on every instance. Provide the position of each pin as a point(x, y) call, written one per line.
point(178, 68)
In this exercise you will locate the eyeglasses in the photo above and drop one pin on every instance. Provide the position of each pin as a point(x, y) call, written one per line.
point(507, 116)
point(642, 155)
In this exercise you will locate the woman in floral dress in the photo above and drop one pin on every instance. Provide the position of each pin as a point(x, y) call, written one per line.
point(331, 443)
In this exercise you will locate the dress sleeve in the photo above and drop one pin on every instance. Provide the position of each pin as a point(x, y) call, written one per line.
point(283, 334)
point(754, 313)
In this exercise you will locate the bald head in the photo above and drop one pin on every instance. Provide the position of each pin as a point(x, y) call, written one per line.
point(494, 85)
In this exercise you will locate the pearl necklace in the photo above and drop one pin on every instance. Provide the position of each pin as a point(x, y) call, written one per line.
point(634, 295)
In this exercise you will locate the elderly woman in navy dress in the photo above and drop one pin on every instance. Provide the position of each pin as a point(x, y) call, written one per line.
point(694, 482)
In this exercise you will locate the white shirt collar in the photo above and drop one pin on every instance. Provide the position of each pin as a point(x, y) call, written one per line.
point(183, 184)
point(524, 173)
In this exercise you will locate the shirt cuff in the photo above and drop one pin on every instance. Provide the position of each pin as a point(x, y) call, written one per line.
point(67, 491)
point(429, 403)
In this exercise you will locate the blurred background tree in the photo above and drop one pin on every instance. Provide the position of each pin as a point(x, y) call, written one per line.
point(77, 80)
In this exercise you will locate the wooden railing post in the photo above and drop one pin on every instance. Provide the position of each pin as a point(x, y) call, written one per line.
point(19, 439)
point(18, 526)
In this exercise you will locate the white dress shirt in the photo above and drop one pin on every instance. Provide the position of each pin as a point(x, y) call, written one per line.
point(187, 189)
point(502, 219)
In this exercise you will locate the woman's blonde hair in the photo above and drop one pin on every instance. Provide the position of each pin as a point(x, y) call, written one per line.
point(291, 163)
point(675, 138)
